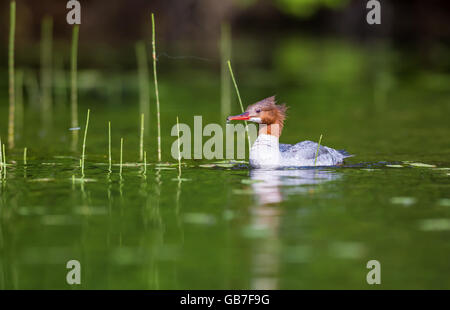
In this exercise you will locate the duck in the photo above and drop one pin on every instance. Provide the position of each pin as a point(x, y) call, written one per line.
point(267, 153)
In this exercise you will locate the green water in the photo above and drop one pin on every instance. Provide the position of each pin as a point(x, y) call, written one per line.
point(231, 228)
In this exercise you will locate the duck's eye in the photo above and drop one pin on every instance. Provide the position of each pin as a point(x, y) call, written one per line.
point(258, 110)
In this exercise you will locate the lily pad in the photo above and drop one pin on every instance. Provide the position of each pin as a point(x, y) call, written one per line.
point(422, 165)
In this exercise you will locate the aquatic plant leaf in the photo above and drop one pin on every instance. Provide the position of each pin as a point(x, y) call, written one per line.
point(199, 218)
point(422, 165)
point(394, 166)
point(207, 166)
point(445, 202)
point(406, 201)
point(435, 224)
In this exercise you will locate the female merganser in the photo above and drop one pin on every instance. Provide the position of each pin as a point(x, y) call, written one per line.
point(267, 152)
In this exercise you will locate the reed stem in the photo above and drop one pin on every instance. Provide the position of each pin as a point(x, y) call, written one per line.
point(141, 149)
point(84, 143)
point(25, 156)
point(179, 152)
point(12, 30)
point(46, 68)
point(225, 53)
point(240, 102)
point(121, 155)
point(1, 159)
point(109, 147)
point(144, 93)
point(156, 87)
point(317, 152)
point(145, 162)
point(4, 162)
point(74, 86)
point(19, 102)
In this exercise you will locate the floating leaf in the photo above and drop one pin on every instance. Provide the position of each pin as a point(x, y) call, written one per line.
point(256, 231)
point(250, 181)
point(435, 224)
point(225, 165)
point(422, 165)
point(445, 202)
point(42, 180)
point(181, 179)
point(406, 201)
point(242, 191)
point(207, 166)
point(199, 218)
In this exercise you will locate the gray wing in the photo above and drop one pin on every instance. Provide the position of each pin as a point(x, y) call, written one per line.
point(306, 151)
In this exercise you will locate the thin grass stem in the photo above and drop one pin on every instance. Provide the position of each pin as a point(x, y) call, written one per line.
point(156, 86)
point(109, 147)
point(4, 162)
point(141, 144)
point(12, 30)
point(240, 102)
point(225, 81)
point(179, 152)
point(145, 162)
point(143, 75)
point(46, 69)
point(74, 86)
point(25, 156)
point(84, 143)
point(121, 155)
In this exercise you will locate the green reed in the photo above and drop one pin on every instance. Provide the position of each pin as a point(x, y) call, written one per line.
point(156, 87)
point(109, 148)
point(317, 152)
point(1, 158)
point(179, 150)
point(145, 162)
point(225, 82)
point(46, 68)
point(4, 162)
point(84, 143)
point(74, 86)
point(121, 155)
point(143, 75)
point(141, 143)
point(240, 102)
point(25, 156)
point(12, 30)
point(19, 101)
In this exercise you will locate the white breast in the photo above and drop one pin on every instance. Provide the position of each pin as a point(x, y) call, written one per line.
point(265, 152)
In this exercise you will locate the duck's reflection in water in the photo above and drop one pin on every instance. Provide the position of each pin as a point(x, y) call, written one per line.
point(270, 187)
